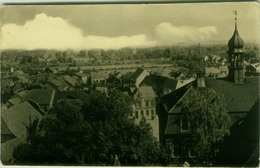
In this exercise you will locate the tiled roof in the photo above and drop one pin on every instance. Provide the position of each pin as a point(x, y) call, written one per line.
point(16, 117)
point(239, 97)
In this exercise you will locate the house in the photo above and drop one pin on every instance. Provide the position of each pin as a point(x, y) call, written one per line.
point(145, 107)
point(83, 77)
point(15, 119)
point(138, 76)
point(43, 97)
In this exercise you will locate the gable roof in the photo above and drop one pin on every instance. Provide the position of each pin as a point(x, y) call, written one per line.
point(4, 128)
point(238, 97)
point(16, 117)
point(80, 74)
point(41, 96)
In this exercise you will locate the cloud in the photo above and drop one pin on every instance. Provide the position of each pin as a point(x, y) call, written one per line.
point(169, 34)
point(45, 32)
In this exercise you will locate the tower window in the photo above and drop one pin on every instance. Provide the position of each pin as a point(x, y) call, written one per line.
point(142, 113)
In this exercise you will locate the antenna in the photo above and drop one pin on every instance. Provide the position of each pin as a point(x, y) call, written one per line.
point(199, 58)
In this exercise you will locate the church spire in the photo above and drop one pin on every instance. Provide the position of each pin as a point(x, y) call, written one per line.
point(236, 56)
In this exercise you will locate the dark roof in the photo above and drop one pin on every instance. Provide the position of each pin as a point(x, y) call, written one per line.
point(148, 80)
point(137, 73)
point(239, 97)
point(236, 43)
point(40, 96)
point(162, 82)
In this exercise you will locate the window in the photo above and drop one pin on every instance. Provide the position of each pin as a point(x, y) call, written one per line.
point(184, 124)
point(136, 114)
point(147, 112)
point(142, 113)
point(147, 103)
point(152, 112)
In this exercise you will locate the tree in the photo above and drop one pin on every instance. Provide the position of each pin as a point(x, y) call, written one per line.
point(208, 120)
point(91, 131)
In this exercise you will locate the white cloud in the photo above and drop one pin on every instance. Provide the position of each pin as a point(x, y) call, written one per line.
point(169, 34)
point(45, 32)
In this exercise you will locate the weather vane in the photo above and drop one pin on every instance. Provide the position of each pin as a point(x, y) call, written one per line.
point(235, 14)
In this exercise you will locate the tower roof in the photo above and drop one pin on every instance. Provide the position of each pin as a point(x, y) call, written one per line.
point(236, 43)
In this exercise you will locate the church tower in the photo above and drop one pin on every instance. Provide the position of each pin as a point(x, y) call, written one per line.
point(236, 56)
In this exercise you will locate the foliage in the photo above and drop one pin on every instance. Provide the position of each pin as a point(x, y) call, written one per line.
point(91, 132)
point(208, 120)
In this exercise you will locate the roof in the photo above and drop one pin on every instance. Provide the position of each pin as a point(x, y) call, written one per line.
point(212, 70)
point(8, 147)
point(223, 68)
point(147, 92)
point(70, 80)
point(236, 43)
point(16, 117)
point(22, 94)
point(239, 97)
point(4, 128)
point(41, 96)
point(163, 82)
point(137, 73)
point(15, 100)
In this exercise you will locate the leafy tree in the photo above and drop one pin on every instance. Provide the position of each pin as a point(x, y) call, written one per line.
point(91, 131)
point(208, 120)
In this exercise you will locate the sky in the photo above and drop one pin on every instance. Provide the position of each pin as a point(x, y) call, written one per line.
point(125, 25)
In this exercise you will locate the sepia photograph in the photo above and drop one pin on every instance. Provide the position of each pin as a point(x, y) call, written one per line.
point(155, 84)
